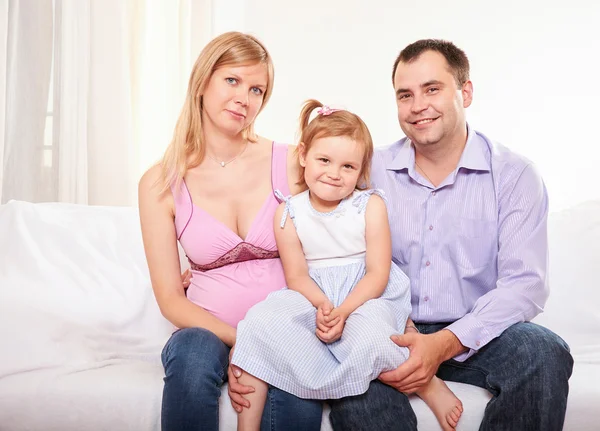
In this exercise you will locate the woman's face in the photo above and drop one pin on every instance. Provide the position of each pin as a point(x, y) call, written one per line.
point(233, 97)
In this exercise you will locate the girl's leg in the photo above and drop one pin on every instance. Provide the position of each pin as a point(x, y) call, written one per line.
point(438, 396)
point(442, 401)
point(250, 418)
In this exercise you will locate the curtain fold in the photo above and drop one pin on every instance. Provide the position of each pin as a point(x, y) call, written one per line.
point(26, 66)
point(120, 71)
point(71, 99)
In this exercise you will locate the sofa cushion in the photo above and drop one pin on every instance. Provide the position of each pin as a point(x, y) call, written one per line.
point(74, 288)
point(83, 334)
point(573, 310)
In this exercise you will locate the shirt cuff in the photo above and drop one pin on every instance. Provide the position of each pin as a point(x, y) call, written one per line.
point(471, 333)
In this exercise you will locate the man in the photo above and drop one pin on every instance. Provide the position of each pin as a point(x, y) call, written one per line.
point(468, 220)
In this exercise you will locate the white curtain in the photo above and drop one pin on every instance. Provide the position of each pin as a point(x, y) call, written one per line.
point(120, 70)
point(71, 97)
point(25, 65)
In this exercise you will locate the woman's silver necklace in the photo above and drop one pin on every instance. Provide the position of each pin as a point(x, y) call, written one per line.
point(223, 163)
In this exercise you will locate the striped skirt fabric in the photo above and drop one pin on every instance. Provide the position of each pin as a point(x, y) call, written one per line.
point(276, 341)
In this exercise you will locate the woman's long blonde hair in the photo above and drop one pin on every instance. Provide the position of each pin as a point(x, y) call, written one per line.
point(187, 148)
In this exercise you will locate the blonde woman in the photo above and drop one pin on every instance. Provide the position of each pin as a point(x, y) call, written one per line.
point(214, 193)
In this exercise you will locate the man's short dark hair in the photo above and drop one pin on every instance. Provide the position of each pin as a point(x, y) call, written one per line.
point(455, 57)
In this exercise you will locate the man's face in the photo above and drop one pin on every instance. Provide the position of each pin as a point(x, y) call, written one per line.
point(431, 109)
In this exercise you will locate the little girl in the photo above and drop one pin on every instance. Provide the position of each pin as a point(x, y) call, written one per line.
point(327, 335)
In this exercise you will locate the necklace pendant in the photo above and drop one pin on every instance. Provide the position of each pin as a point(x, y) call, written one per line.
point(222, 164)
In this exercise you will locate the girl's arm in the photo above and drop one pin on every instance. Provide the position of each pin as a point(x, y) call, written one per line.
point(160, 245)
point(293, 260)
point(378, 259)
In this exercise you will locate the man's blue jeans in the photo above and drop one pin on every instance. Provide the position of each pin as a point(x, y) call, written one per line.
point(526, 369)
point(196, 362)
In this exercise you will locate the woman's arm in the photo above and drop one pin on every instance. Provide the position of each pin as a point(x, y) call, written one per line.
point(160, 245)
point(293, 260)
point(378, 259)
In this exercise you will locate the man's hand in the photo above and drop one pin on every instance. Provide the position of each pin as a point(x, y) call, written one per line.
point(427, 352)
point(235, 389)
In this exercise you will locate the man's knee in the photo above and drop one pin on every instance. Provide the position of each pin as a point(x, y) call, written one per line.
point(540, 349)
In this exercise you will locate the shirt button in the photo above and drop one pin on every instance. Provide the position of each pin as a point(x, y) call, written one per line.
point(477, 343)
point(426, 299)
point(433, 193)
point(430, 227)
point(427, 263)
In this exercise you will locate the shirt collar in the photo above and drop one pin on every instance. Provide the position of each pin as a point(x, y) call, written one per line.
point(473, 156)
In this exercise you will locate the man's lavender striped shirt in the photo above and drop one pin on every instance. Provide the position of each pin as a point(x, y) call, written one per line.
point(475, 247)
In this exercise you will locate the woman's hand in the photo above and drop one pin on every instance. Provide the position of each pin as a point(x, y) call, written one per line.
point(235, 389)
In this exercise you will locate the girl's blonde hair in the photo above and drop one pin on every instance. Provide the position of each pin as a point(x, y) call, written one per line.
point(335, 123)
point(187, 148)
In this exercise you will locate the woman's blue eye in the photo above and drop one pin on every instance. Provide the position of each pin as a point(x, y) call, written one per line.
point(231, 80)
point(257, 91)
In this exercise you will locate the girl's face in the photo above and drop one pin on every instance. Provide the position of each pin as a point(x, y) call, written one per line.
point(233, 97)
point(332, 167)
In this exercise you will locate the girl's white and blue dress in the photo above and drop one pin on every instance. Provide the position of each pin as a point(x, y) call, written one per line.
point(276, 341)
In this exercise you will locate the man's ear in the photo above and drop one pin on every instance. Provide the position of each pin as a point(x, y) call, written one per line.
point(302, 154)
point(467, 93)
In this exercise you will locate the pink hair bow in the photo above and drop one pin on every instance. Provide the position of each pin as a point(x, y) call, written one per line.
point(326, 110)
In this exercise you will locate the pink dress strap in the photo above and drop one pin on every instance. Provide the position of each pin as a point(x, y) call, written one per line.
point(279, 178)
point(184, 208)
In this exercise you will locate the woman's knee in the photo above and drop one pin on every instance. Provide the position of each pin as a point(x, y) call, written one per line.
point(193, 354)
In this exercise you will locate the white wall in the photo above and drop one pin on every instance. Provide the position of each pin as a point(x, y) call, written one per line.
point(534, 65)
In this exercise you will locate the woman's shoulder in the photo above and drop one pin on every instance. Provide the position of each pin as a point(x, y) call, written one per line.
point(151, 178)
point(151, 187)
point(264, 140)
point(276, 145)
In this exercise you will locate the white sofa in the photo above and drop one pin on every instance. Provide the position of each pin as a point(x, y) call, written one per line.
point(81, 333)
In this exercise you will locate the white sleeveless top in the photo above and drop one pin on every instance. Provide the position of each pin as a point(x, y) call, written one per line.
point(334, 238)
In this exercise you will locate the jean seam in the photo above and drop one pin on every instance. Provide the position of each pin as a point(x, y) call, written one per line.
point(471, 368)
point(272, 412)
point(223, 370)
point(168, 347)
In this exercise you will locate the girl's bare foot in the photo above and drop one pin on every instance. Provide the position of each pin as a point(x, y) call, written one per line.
point(442, 401)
